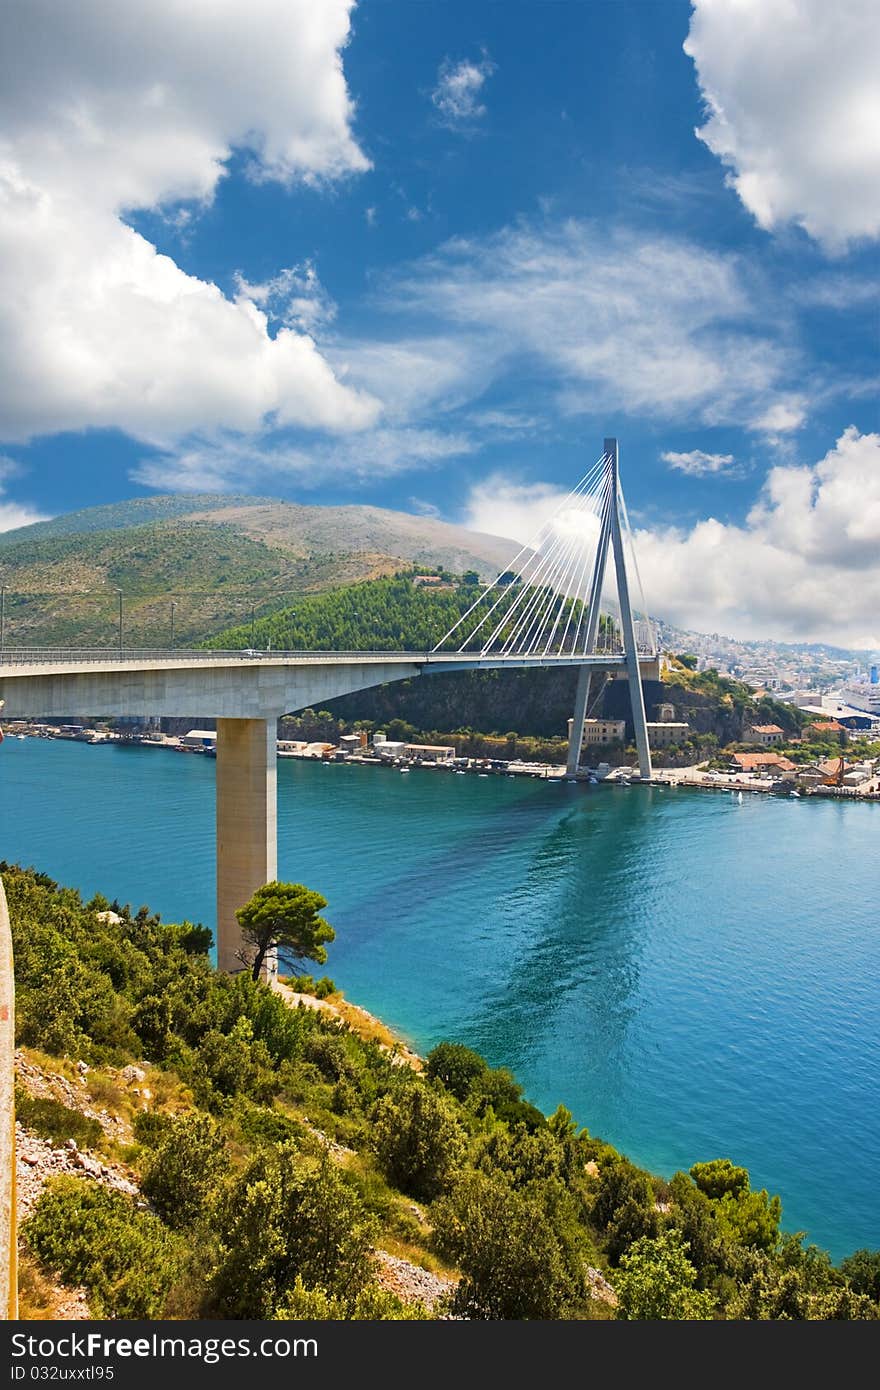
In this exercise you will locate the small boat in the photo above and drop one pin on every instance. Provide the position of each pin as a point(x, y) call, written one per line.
point(403, 770)
point(796, 796)
point(460, 772)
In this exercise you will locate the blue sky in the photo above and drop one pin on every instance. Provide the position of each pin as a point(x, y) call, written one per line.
point(426, 254)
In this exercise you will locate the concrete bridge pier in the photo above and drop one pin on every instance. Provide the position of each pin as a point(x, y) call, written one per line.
point(247, 827)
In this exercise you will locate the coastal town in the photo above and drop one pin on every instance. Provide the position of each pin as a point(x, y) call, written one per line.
point(760, 763)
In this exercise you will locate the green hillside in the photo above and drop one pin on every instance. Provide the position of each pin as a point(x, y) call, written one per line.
point(217, 558)
point(275, 1159)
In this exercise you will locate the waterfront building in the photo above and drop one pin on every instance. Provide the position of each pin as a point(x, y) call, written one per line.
point(429, 752)
point(767, 735)
point(764, 764)
point(353, 743)
point(600, 731)
point(200, 738)
point(664, 732)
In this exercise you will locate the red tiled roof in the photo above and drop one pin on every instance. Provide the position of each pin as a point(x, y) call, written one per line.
point(766, 729)
point(749, 761)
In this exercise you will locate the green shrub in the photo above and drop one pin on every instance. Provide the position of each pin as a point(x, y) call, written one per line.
point(88, 1235)
point(372, 1304)
point(656, 1280)
point(283, 1218)
point(52, 1120)
point(185, 1168)
point(513, 1258)
point(418, 1140)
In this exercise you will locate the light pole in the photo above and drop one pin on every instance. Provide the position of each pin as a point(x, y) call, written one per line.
point(119, 596)
point(2, 617)
point(173, 606)
point(253, 627)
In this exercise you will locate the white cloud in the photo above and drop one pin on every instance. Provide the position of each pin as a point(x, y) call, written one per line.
point(697, 464)
point(107, 107)
point(618, 321)
point(413, 374)
point(498, 506)
point(794, 109)
point(14, 514)
point(229, 464)
point(781, 418)
point(457, 94)
point(805, 565)
point(294, 297)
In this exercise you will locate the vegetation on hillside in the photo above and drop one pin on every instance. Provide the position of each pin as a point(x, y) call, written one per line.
point(217, 557)
point(64, 589)
point(248, 1212)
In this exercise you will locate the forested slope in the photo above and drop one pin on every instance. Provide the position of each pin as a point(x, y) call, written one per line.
point(276, 1152)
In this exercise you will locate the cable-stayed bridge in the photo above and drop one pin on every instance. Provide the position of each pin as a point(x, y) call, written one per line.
point(550, 608)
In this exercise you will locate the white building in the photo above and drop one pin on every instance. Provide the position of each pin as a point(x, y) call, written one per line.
point(200, 738)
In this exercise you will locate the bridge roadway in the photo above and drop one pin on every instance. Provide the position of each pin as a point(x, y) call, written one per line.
point(246, 693)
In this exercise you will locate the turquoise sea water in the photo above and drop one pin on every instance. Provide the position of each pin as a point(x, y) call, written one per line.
point(693, 977)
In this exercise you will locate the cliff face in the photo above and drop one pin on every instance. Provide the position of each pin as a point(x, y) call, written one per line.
point(540, 703)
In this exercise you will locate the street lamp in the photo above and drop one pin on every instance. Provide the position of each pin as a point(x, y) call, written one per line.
point(253, 627)
point(119, 596)
point(2, 617)
point(173, 606)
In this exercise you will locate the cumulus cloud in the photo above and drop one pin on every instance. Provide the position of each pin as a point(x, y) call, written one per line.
point(804, 565)
point(697, 464)
point(458, 90)
point(619, 320)
point(793, 105)
point(107, 108)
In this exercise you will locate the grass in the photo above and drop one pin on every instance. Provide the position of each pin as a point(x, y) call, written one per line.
point(38, 1299)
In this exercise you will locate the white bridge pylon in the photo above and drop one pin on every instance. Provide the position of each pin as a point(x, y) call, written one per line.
point(548, 602)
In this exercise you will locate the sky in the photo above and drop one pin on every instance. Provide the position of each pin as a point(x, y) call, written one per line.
point(428, 254)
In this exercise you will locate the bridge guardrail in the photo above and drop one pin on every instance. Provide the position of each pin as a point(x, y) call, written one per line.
point(33, 656)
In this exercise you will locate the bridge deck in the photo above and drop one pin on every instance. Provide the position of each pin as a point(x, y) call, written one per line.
point(19, 662)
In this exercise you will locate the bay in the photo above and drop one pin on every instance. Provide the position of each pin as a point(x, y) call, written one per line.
point(692, 976)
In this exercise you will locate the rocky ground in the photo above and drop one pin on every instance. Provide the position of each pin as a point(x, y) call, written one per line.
point(37, 1160)
point(410, 1282)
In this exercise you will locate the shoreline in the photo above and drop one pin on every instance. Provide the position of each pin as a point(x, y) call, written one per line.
point(672, 778)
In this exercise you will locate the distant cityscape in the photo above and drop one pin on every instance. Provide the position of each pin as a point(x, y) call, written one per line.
point(813, 676)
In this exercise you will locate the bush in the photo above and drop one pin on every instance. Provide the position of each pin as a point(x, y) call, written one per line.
point(55, 1121)
point(94, 1237)
point(456, 1067)
point(185, 1168)
point(513, 1261)
point(372, 1304)
point(656, 1280)
point(418, 1140)
point(286, 1218)
point(862, 1269)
